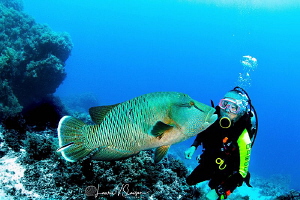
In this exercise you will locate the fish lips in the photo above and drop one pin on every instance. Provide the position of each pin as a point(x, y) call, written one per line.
point(211, 117)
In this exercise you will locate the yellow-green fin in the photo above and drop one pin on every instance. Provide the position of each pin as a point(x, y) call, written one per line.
point(159, 128)
point(160, 152)
point(71, 139)
point(98, 113)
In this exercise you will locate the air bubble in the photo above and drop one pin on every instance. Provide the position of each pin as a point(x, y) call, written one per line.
point(249, 64)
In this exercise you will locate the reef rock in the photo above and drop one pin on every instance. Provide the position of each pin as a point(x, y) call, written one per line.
point(32, 59)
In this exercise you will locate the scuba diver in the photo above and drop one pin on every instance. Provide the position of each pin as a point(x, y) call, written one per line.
point(226, 146)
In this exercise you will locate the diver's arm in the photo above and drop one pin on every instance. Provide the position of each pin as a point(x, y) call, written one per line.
point(194, 146)
point(190, 151)
point(197, 141)
point(244, 144)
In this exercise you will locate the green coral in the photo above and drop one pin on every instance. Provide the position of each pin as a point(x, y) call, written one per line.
point(15, 4)
point(31, 56)
point(9, 104)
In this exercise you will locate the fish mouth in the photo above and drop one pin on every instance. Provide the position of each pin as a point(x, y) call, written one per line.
point(211, 117)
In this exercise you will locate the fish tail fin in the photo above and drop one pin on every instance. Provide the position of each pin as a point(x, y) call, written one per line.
point(71, 139)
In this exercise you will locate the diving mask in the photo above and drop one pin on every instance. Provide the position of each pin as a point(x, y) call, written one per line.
point(232, 106)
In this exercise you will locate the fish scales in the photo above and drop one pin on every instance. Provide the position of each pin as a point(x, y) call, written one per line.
point(149, 121)
point(115, 122)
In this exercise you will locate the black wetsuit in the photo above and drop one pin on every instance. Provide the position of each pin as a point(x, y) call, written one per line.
point(221, 158)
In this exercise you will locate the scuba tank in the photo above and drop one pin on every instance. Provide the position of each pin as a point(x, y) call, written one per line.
point(252, 127)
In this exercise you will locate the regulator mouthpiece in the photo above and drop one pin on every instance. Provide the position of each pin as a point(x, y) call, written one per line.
point(225, 122)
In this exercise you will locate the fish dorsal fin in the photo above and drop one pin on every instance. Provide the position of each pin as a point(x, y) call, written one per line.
point(160, 152)
point(98, 113)
point(159, 128)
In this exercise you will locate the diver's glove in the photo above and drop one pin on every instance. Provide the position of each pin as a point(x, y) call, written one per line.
point(217, 194)
point(212, 195)
point(189, 152)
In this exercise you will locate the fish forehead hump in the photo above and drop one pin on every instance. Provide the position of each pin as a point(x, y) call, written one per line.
point(151, 106)
point(144, 111)
point(168, 97)
point(156, 101)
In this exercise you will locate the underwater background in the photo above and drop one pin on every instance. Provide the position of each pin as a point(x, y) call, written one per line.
point(123, 49)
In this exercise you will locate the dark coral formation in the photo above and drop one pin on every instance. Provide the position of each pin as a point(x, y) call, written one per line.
point(40, 116)
point(290, 195)
point(135, 178)
point(48, 176)
point(32, 59)
point(44, 114)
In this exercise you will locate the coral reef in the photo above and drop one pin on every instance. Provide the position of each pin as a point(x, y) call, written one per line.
point(42, 116)
point(37, 171)
point(15, 4)
point(270, 185)
point(32, 56)
point(290, 195)
point(48, 176)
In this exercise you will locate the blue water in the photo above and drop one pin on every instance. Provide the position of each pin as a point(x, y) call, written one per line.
point(123, 49)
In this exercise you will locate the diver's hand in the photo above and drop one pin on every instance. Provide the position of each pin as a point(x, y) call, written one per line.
point(212, 195)
point(189, 152)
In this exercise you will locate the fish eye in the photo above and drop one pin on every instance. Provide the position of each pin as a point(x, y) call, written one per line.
point(189, 105)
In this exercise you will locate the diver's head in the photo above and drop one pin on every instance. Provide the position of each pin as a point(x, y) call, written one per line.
point(233, 105)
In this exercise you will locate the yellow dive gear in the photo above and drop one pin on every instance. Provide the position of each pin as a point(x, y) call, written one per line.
point(221, 163)
point(225, 122)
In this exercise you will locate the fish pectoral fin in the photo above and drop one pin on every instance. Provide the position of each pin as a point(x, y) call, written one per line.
point(159, 128)
point(160, 152)
point(98, 113)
